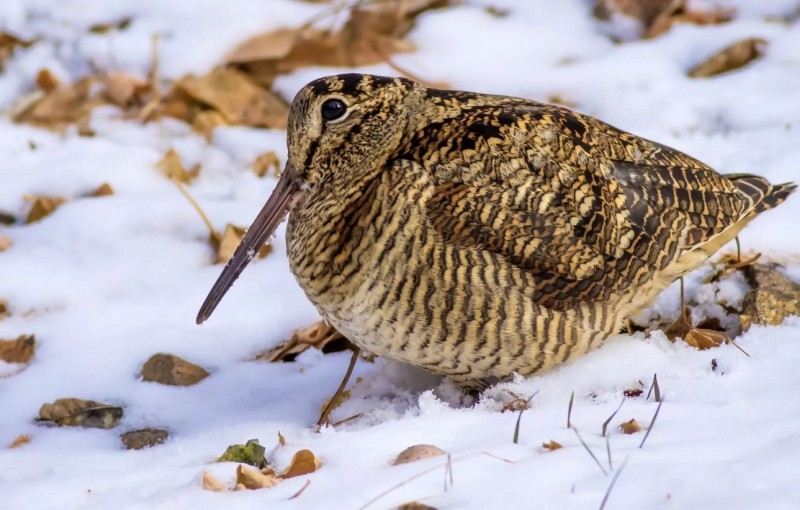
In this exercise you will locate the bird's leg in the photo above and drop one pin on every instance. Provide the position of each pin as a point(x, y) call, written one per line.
point(334, 400)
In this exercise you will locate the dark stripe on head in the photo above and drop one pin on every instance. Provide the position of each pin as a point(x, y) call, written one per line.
point(350, 83)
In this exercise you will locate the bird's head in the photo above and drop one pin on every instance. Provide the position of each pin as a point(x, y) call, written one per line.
point(342, 130)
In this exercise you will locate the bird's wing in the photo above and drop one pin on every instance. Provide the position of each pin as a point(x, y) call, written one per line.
point(585, 209)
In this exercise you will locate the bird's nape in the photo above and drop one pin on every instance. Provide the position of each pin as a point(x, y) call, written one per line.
point(285, 196)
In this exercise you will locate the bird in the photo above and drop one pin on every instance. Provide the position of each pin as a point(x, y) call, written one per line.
point(480, 236)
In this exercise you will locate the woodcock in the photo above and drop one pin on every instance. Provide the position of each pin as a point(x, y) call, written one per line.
point(476, 235)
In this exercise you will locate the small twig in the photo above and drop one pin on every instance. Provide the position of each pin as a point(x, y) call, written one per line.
point(590, 451)
point(654, 386)
point(197, 207)
point(738, 249)
point(605, 423)
point(323, 418)
point(569, 410)
point(731, 341)
point(519, 417)
point(308, 482)
point(448, 472)
point(153, 74)
point(652, 422)
point(613, 482)
point(608, 452)
point(498, 458)
point(342, 422)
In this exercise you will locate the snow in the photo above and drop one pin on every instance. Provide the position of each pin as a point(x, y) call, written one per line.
point(104, 283)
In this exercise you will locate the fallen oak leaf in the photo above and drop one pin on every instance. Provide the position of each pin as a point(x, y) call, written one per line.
point(172, 370)
point(210, 483)
point(73, 412)
point(253, 479)
point(55, 110)
point(227, 242)
point(41, 207)
point(303, 463)
point(551, 445)
point(730, 58)
point(630, 427)
point(172, 167)
point(20, 440)
point(20, 350)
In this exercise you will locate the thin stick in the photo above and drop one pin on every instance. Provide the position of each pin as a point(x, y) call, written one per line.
point(652, 422)
point(448, 472)
point(323, 418)
point(654, 386)
point(569, 410)
point(738, 249)
point(608, 452)
point(605, 423)
point(308, 482)
point(192, 201)
point(613, 482)
point(342, 422)
point(590, 451)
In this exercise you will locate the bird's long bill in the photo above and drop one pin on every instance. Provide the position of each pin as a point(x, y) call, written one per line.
point(286, 195)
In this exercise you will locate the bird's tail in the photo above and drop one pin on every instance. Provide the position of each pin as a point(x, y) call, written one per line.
point(763, 195)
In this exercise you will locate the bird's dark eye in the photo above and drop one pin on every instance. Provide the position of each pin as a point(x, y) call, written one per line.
point(332, 109)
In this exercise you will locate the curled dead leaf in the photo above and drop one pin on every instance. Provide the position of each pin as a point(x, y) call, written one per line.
point(263, 163)
point(319, 335)
point(124, 90)
point(172, 167)
point(551, 445)
point(42, 207)
point(210, 483)
point(75, 412)
point(171, 370)
point(730, 58)
point(253, 479)
point(303, 462)
point(20, 440)
point(227, 242)
point(656, 17)
point(418, 452)
point(630, 427)
point(60, 107)
point(144, 438)
point(19, 350)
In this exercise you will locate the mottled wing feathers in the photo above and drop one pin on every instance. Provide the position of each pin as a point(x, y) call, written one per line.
point(589, 210)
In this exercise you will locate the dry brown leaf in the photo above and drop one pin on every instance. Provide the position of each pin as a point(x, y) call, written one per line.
point(172, 370)
point(65, 105)
point(303, 462)
point(9, 43)
point(206, 121)
point(75, 412)
point(104, 28)
point(20, 440)
point(3, 310)
point(657, 16)
point(103, 190)
point(319, 335)
point(281, 439)
point(415, 505)
point(732, 57)
point(124, 90)
point(5, 243)
point(172, 167)
point(237, 97)
point(418, 452)
point(551, 445)
point(694, 336)
point(265, 162)
point(18, 351)
point(47, 81)
point(42, 206)
point(144, 438)
point(212, 484)
point(254, 479)
point(227, 242)
point(630, 427)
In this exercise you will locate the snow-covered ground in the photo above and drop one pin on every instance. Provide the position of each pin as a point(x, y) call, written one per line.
point(104, 283)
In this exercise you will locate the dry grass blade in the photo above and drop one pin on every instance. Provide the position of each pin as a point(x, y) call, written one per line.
point(347, 420)
point(448, 473)
point(303, 488)
point(652, 423)
point(589, 450)
point(323, 419)
point(605, 423)
point(569, 410)
point(654, 386)
point(519, 417)
point(613, 482)
point(608, 453)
